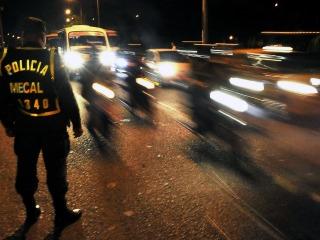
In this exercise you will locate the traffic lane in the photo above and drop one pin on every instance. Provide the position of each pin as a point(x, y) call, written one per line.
point(247, 171)
point(143, 203)
point(282, 155)
point(270, 195)
point(160, 136)
point(160, 169)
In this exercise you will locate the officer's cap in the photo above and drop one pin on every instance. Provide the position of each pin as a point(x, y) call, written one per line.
point(33, 25)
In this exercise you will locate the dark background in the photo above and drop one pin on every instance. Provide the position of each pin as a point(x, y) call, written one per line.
point(173, 20)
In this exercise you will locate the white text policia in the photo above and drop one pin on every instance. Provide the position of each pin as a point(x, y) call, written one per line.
point(27, 65)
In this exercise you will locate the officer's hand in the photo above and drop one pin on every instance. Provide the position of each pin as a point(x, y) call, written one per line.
point(77, 132)
point(10, 132)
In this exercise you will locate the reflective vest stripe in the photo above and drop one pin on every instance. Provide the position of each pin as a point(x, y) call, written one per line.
point(5, 51)
point(52, 52)
point(45, 114)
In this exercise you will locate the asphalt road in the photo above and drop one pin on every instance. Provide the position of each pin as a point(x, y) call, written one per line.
point(161, 181)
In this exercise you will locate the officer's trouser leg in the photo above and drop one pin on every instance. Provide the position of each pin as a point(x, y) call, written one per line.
point(55, 151)
point(27, 149)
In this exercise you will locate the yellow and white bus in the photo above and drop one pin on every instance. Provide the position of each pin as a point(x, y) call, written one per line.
point(84, 47)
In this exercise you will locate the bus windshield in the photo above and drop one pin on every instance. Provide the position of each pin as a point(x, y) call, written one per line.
point(87, 39)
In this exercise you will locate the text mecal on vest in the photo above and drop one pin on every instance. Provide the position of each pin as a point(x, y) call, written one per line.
point(25, 88)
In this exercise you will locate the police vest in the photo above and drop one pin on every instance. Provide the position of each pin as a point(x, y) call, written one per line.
point(29, 75)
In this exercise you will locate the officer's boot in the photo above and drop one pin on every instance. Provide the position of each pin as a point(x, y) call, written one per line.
point(32, 210)
point(64, 216)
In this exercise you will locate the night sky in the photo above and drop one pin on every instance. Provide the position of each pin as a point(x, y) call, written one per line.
point(173, 19)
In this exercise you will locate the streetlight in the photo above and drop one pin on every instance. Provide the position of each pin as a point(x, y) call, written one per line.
point(68, 11)
point(80, 7)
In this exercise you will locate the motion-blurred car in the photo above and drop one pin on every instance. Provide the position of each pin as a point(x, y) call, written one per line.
point(166, 66)
point(280, 77)
point(132, 79)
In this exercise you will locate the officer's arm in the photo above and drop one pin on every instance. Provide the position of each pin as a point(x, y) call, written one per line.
point(6, 106)
point(2, 93)
point(66, 96)
point(3, 102)
point(7, 111)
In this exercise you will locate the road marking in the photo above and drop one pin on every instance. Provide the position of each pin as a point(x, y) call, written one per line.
point(168, 106)
point(240, 203)
point(233, 118)
point(252, 213)
point(286, 184)
point(216, 226)
point(149, 95)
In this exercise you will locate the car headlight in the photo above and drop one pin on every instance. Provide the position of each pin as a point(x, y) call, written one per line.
point(106, 92)
point(278, 48)
point(167, 69)
point(248, 84)
point(121, 63)
point(230, 101)
point(145, 83)
point(296, 87)
point(315, 81)
point(107, 58)
point(73, 60)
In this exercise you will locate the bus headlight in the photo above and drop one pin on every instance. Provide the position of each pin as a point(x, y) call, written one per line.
point(296, 87)
point(107, 58)
point(167, 69)
point(73, 60)
point(121, 63)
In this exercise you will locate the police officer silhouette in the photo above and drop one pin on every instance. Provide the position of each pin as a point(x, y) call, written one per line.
point(37, 104)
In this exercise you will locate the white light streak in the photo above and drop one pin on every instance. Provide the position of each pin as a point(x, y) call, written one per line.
point(229, 101)
point(296, 87)
point(248, 84)
point(103, 90)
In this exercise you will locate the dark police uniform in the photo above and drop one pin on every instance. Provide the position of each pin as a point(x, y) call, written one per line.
point(37, 103)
